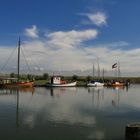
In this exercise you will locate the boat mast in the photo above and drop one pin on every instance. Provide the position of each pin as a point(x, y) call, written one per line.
point(118, 70)
point(98, 67)
point(18, 57)
point(93, 71)
point(17, 110)
point(103, 73)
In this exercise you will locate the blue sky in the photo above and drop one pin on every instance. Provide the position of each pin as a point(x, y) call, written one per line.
point(71, 34)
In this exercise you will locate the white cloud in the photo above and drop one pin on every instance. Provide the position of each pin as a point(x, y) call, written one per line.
point(70, 39)
point(98, 18)
point(32, 32)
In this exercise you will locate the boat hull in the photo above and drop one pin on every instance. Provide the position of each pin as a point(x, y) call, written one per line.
point(116, 84)
point(62, 85)
point(18, 85)
point(95, 84)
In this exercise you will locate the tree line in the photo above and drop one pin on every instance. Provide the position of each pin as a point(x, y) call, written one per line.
point(46, 76)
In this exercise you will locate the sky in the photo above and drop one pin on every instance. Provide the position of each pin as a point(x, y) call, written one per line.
point(71, 35)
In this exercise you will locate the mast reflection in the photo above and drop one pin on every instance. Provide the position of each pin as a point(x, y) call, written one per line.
point(99, 95)
point(17, 92)
point(17, 110)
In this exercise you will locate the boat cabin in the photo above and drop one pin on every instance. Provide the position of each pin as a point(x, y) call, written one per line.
point(57, 80)
point(7, 80)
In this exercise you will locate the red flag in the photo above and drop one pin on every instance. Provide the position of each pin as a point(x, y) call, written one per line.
point(114, 66)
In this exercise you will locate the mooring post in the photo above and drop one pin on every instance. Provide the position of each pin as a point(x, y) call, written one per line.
point(132, 131)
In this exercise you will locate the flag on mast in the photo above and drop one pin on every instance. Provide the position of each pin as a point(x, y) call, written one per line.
point(114, 66)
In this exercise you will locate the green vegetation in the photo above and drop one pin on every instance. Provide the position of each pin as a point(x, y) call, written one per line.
point(40, 82)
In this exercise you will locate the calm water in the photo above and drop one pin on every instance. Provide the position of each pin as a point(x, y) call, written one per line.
point(68, 113)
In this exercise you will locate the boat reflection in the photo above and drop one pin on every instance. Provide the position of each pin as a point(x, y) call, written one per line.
point(59, 91)
point(8, 91)
point(120, 87)
point(97, 95)
point(117, 92)
point(95, 89)
point(116, 97)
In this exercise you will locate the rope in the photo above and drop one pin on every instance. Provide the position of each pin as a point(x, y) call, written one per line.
point(33, 63)
point(2, 68)
point(26, 60)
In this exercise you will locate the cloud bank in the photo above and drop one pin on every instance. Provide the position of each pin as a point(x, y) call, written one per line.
point(70, 51)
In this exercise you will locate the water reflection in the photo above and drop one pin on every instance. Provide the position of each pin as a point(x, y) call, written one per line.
point(97, 95)
point(82, 113)
point(17, 109)
point(59, 91)
point(8, 91)
point(16, 92)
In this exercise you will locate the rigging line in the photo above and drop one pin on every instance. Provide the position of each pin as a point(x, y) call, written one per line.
point(26, 60)
point(2, 68)
point(34, 63)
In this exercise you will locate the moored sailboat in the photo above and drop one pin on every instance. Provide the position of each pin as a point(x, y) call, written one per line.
point(96, 83)
point(15, 82)
point(116, 83)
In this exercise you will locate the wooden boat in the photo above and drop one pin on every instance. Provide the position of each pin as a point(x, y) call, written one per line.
point(57, 82)
point(18, 84)
point(15, 82)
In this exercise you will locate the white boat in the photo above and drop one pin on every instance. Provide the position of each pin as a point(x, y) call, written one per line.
point(95, 84)
point(57, 82)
